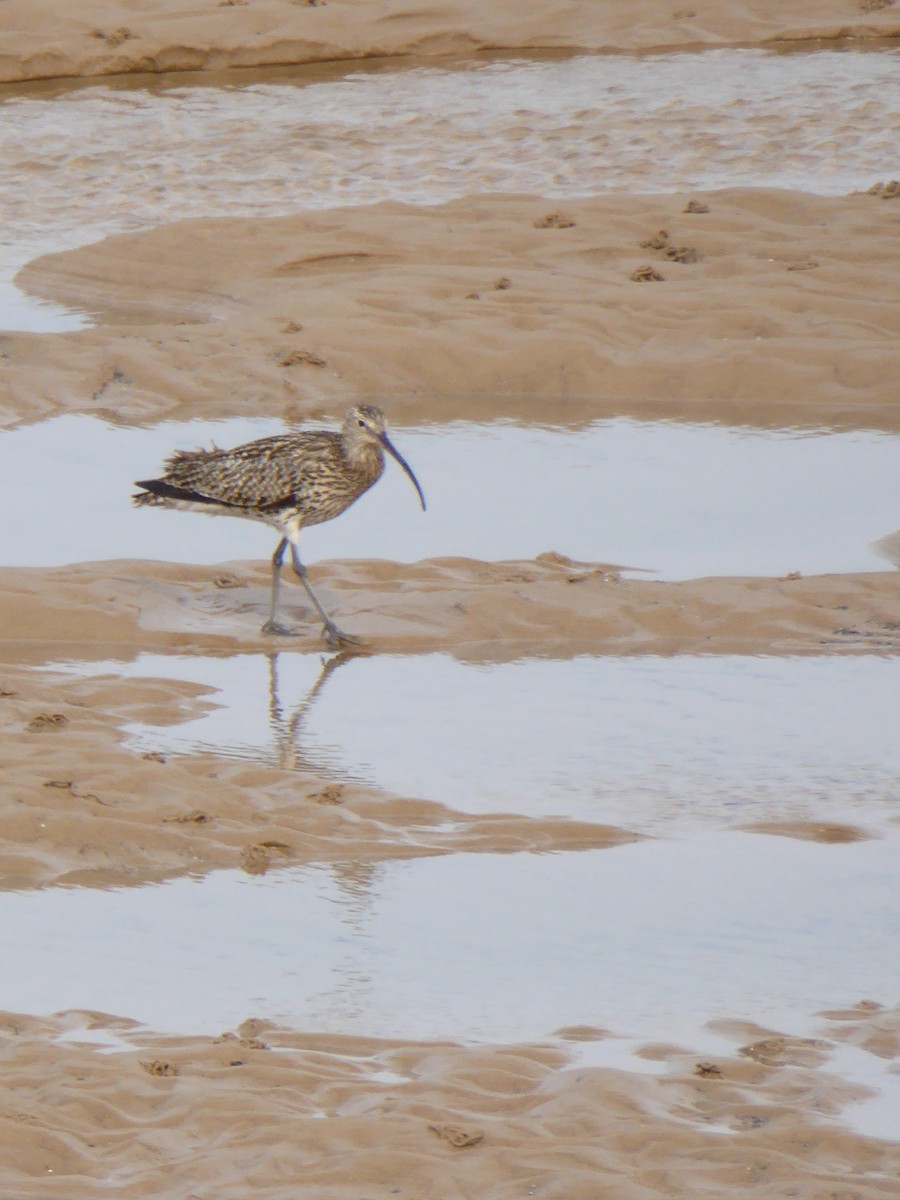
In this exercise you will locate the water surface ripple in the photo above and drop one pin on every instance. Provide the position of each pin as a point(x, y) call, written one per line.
point(96, 160)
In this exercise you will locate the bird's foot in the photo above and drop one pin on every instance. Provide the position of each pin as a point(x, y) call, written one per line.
point(276, 629)
point(337, 639)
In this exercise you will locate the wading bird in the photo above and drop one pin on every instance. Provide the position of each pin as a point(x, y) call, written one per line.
point(287, 481)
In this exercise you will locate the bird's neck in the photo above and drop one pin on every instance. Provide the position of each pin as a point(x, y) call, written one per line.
point(365, 458)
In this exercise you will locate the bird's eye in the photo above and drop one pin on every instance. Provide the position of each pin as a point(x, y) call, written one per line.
point(361, 423)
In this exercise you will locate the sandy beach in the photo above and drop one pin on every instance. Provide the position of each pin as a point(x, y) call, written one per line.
point(762, 310)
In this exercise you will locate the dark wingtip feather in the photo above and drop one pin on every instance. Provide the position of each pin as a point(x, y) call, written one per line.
point(166, 491)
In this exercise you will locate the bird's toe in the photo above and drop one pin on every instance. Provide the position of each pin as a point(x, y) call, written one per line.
point(276, 629)
point(338, 640)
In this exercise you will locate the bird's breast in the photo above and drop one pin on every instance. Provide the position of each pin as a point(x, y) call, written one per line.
point(325, 493)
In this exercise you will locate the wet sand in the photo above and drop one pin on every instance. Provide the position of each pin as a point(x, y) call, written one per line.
point(108, 37)
point(285, 1115)
point(484, 307)
point(774, 309)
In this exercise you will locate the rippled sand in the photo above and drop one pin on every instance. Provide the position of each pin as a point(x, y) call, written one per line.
point(43, 41)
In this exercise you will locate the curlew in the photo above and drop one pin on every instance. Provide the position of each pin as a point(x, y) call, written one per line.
point(287, 481)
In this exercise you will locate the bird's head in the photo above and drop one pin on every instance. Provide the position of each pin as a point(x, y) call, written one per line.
point(365, 425)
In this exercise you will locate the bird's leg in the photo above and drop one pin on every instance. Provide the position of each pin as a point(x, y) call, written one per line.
point(333, 636)
point(273, 625)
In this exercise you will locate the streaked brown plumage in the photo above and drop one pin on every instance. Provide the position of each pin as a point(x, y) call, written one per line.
point(287, 481)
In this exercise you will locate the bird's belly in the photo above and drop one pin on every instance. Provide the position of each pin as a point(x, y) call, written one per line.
point(211, 509)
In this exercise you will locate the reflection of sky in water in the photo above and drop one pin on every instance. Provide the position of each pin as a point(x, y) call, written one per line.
point(681, 499)
point(97, 160)
point(647, 939)
point(647, 743)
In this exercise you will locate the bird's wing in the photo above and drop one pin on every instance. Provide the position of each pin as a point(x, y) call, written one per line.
point(264, 475)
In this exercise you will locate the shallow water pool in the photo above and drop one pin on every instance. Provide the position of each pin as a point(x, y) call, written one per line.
point(676, 499)
point(647, 743)
point(637, 939)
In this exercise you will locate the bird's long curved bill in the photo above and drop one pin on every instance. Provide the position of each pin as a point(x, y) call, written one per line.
point(395, 453)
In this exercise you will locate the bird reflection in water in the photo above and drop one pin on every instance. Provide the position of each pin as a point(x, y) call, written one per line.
point(355, 878)
point(287, 728)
